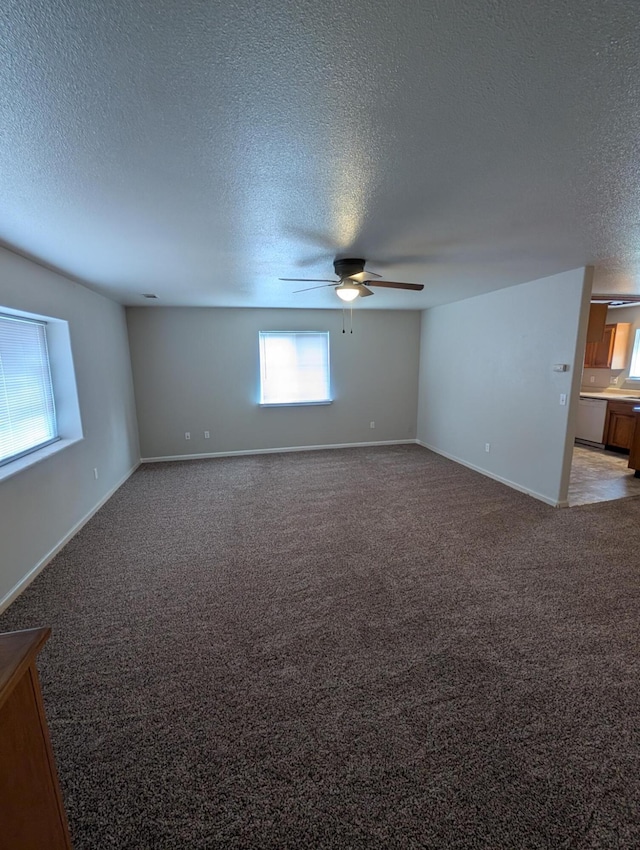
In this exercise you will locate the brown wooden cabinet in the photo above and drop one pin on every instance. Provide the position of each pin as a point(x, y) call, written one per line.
point(619, 426)
point(634, 454)
point(32, 816)
point(597, 322)
point(611, 351)
point(598, 355)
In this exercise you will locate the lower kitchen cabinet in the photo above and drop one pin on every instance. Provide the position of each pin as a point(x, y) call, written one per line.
point(620, 425)
point(634, 454)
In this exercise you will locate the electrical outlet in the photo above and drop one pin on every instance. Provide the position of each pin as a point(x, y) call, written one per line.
point(487, 447)
point(372, 424)
point(187, 435)
point(614, 380)
point(206, 435)
point(563, 398)
point(592, 379)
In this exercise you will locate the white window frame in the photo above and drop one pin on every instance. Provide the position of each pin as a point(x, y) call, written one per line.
point(268, 399)
point(634, 364)
point(65, 393)
point(26, 337)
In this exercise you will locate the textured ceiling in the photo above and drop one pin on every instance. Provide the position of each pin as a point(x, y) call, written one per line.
point(202, 150)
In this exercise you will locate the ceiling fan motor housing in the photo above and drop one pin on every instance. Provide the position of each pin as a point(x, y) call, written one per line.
point(348, 267)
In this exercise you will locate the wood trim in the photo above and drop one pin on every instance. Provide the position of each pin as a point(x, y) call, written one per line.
point(17, 652)
point(51, 762)
point(32, 815)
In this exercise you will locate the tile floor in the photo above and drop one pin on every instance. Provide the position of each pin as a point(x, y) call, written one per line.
point(599, 476)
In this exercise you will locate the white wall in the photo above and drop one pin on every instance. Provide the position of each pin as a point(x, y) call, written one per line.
point(42, 505)
point(486, 377)
point(198, 369)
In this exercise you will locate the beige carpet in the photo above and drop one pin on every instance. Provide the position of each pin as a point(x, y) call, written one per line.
point(367, 648)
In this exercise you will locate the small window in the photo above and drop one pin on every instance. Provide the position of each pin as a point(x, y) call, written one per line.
point(294, 368)
point(27, 410)
point(634, 368)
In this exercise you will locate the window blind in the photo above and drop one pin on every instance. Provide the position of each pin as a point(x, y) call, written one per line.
point(294, 367)
point(27, 409)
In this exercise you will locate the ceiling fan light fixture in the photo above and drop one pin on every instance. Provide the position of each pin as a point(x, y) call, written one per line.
point(347, 291)
point(353, 281)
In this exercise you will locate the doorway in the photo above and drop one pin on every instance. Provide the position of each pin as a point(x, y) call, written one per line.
point(597, 474)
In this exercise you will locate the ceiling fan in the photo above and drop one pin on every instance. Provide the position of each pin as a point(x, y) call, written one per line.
point(353, 280)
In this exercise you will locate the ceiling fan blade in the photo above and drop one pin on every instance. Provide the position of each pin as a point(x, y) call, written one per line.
point(361, 277)
point(311, 280)
point(309, 288)
point(362, 289)
point(391, 284)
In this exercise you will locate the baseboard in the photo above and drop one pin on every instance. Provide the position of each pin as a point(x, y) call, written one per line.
point(582, 442)
point(282, 449)
point(542, 498)
point(26, 580)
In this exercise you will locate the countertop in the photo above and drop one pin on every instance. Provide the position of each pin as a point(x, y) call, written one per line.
point(607, 396)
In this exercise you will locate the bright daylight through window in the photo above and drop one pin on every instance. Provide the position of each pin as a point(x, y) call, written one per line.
point(634, 368)
point(27, 410)
point(294, 368)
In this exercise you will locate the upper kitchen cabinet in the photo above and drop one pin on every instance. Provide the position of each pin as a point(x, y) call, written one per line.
point(597, 322)
point(611, 351)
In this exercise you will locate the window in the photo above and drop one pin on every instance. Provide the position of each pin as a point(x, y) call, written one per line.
point(294, 368)
point(27, 410)
point(634, 368)
point(39, 408)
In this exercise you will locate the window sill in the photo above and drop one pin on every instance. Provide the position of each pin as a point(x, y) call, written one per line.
point(22, 463)
point(294, 403)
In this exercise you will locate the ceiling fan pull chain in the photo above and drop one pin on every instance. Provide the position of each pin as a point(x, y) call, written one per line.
point(343, 312)
point(351, 311)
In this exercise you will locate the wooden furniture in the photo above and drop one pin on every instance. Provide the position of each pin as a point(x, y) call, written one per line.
point(634, 454)
point(611, 352)
point(619, 426)
point(32, 815)
point(597, 321)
